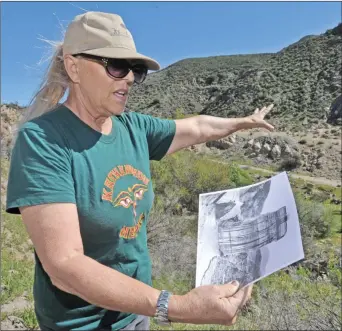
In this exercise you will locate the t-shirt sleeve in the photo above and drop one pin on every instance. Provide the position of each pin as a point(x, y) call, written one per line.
point(40, 171)
point(160, 133)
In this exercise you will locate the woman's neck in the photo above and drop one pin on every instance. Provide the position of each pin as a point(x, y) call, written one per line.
point(96, 121)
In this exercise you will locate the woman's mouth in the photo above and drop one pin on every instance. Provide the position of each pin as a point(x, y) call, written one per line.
point(121, 95)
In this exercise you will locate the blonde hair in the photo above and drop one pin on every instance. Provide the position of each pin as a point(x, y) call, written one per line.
point(52, 89)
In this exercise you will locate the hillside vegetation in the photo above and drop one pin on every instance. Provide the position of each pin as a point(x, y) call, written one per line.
point(303, 80)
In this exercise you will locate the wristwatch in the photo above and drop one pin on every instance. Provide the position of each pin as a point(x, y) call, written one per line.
point(161, 315)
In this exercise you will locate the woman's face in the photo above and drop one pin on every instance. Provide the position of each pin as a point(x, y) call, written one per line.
point(103, 93)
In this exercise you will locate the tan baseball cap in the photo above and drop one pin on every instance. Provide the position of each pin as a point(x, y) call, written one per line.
point(103, 34)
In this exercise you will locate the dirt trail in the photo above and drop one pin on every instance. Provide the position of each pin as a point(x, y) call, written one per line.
point(19, 303)
point(315, 180)
point(13, 322)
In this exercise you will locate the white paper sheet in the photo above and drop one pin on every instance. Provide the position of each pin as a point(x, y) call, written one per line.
point(247, 233)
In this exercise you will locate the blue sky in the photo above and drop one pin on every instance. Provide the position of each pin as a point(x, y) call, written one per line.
point(166, 31)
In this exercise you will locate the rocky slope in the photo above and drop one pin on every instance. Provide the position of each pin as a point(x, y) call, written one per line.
point(303, 80)
point(310, 156)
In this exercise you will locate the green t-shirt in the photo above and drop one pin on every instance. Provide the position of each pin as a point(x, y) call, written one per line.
point(58, 158)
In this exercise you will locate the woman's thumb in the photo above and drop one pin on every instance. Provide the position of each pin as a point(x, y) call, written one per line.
point(230, 289)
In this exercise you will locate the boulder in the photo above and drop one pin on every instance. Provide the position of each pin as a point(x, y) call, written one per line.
point(266, 148)
point(250, 143)
point(288, 151)
point(232, 138)
point(275, 152)
point(257, 147)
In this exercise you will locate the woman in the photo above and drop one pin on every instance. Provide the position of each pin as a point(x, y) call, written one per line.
point(80, 179)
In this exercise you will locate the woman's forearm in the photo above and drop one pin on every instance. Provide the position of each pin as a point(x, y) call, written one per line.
point(212, 128)
point(104, 287)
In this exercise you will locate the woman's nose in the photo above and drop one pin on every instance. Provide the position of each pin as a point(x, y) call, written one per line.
point(130, 78)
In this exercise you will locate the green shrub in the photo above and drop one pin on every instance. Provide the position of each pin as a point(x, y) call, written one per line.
point(290, 162)
point(179, 114)
point(209, 80)
point(314, 218)
point(190, 175)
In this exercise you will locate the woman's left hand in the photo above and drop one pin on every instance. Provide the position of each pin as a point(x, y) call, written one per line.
point(256, 120)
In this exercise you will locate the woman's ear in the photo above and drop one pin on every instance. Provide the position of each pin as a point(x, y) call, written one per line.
point(71, 64)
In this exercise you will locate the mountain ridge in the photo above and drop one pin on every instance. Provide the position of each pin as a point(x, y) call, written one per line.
point(302, 79)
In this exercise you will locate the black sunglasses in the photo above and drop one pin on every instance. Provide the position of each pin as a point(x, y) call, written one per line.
point(119, 68)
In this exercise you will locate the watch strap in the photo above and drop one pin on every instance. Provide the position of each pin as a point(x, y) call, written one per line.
point(161, 315)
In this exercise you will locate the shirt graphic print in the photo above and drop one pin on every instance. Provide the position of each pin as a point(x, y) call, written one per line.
point(128, 198)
